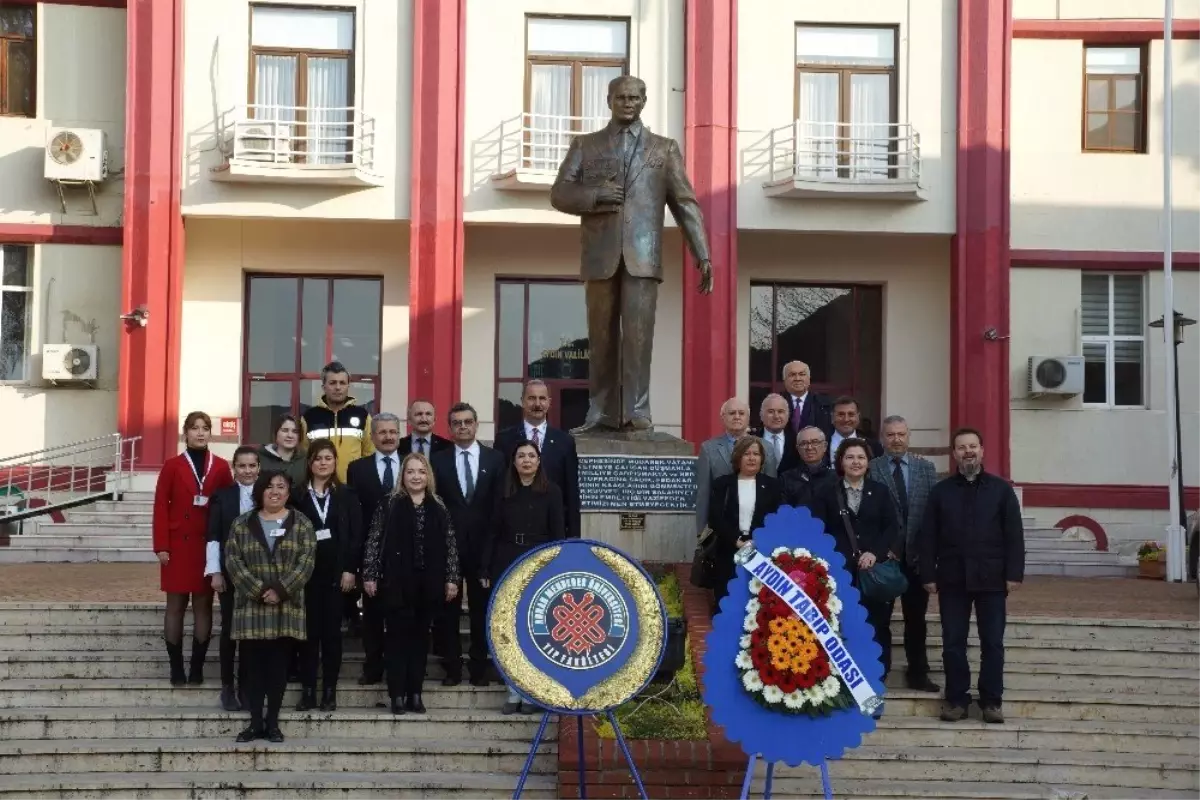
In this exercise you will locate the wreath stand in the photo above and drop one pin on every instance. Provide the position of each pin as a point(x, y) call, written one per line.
point(612, 720)
point(771, 776)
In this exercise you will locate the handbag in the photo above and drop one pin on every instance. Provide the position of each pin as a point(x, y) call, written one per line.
point(703, 561)
point(883, 582)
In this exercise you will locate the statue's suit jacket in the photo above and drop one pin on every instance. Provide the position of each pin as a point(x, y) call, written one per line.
point(655, 177)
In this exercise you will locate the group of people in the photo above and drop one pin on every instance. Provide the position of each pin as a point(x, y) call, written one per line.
point(339, 510)
point(960, 538)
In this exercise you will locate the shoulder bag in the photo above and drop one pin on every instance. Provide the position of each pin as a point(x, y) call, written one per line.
point(704, 559)
point(883, 582)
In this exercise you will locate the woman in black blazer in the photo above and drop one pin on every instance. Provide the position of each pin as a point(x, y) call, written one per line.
point(871, 512)
point(336, 516)
point(737, 506)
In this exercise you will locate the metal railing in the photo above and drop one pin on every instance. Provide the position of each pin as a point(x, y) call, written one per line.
point(37, 483)
point(304, 137)
point(865, 153)
point(537, 143)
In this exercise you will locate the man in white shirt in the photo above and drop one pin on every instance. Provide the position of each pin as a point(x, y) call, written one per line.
point(780, 453)
point(845, 426)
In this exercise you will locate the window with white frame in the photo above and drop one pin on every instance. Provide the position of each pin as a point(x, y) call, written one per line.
point(1114, 339)
point(16, 263)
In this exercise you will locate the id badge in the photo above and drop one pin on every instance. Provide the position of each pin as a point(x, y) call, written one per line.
point(324, 534)
point(199, 500)
point(275, 534)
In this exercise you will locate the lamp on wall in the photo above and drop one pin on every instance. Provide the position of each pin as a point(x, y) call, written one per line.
point(1178, 325)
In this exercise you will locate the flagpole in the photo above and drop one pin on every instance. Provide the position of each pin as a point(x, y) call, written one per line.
point(1175, 538)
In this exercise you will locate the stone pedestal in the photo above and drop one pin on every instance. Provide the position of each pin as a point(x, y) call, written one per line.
point(637, 493)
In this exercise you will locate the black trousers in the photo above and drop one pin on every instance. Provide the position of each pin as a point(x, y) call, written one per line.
point(915, 604)
point(323, 621)
point(446, 631)
point(372, 636)
point(228, 644)
point(990, 616)
point(407, 623)
point(266, 677)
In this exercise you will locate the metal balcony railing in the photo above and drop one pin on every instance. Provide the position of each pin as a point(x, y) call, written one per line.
point(302, 137)
point(32, 484)
point(537, 143)
point(844, 153)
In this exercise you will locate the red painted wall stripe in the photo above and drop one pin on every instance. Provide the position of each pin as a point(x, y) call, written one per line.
point(1103, 260)
point(1070, 495)
point(20, 233)
point(710, 154)
point(1104, 31)
point(152, 261)
point(436, 228)
point(979, 271)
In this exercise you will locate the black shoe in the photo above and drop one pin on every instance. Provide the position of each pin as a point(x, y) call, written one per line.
point(229, 699)
point(993, 715)
point(479, 681)
point(199, 653)
point(452, 680)
point(510, 708)
point(923, 684)
point(329, 699)
point(370, 679)
point(308, 699)
point(414, 704)
point(398, 706)
point(274, 734)
point(250, 733)
point(175, 656)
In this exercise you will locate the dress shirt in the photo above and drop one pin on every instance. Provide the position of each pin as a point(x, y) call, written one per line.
point(380, 466)
point(797, 409)
point(473, 450)
point(774, 440)
point(541, 434)
point(853, 495)
point(212, 550)
point(747, 493)
point(417, 438)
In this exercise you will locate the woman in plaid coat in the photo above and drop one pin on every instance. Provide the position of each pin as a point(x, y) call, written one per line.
point(269, 557)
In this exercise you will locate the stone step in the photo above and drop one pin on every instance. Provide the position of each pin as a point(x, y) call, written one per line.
point(91, 529)
point(1068, 555)
point(115, 517)
point(419, 753)
point(1039, 544)
point(1113, 707)
point(1091, 568)
point(138, 497)
point(1086, 679)
point(160, 694)
point(70, 555)
point(123, 506)
point(806, 782)
point(198, 722)
point(1041, 532)
point(258, 785)
point(49, 538)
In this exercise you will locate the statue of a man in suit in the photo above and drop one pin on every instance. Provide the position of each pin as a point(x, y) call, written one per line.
point(617, 180)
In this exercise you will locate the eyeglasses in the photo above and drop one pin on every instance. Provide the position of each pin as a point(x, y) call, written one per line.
point(817, 443)
point(461, 423)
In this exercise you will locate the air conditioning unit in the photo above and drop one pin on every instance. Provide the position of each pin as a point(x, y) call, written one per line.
point(76, 154)
point(1058, 376)
point(266, 147)
point(70, 362)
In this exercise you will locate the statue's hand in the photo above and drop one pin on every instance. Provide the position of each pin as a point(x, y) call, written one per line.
point(610, 196)
point(706, 279)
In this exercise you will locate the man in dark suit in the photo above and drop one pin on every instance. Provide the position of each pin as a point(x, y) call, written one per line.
point(777, 435)
point(617, 180)
point(227, 505)
point(845, 426)
point(805, 408)
point(421, 438)
point(560, 461)
point(909, 479)
point(373, 478)
point(469, 478)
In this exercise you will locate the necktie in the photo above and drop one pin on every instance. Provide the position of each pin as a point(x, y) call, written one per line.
point(777, 443)
point(468, 478)
point(797, 410)
point(389, 477)
point(536, 439)
point(421, 446)
point(901, 489)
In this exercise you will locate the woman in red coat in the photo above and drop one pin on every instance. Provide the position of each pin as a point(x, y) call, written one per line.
point(181, 498)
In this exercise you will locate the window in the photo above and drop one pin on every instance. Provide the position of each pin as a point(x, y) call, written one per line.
point(1114, 118)
point(15, 307)
point(17, 60)
point(1114, 339)
point(569, 65)
point(836, 330)
point(541, 332)
point(845, 100)
point(302, 79)
point(293, 328)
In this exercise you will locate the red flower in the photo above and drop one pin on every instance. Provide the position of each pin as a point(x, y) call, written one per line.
point(758, 638)
point(819, 668)
point(806, 680)
point(785, 561)
point(770, 676)
point(787, 682)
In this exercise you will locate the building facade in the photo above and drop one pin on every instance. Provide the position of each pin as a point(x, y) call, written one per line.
point(915, 198)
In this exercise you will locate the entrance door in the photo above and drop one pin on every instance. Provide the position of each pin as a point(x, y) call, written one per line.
point(541, 332)
point(293, 328)
point(836, 329)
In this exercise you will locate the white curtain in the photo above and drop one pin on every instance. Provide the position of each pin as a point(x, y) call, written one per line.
point(817, 137)
point(549, 115)
point(595, 96)
point(870, 132)
point(329, 118)
point(275, 100)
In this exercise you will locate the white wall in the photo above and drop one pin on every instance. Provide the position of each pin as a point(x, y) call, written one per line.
point(1102, 9)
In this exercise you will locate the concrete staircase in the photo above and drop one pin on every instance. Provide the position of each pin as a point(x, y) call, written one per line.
point(1049, 552)
point(104, 531)
point(1094, 708)
point(86, 711)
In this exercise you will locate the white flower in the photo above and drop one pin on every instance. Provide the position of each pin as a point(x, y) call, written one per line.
point(745, 642)
point(753, 606)
point(743, 661)
point(831, 685)
point(751, 681)
point(755, 586)
point(835, 605)
point(832, 584)
point(794, 700)
point(778, 551)
point(751, 623)
point(773, 694)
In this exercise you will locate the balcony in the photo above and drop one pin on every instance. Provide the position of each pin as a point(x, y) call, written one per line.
point(860, 161)
point(297, 146)
point(529, 148)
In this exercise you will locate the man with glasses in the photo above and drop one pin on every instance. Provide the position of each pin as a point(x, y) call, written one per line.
point(469, 478)
point(801, 483)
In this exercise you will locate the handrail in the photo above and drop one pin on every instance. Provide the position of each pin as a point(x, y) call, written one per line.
point(299, 136)
point(39, 482)
point(870, 153)
point(537, 143)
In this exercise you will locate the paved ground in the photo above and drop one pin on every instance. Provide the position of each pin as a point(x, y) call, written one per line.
point(1040, 596)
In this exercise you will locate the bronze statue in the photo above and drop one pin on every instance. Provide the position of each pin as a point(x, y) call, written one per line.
point(617, 181)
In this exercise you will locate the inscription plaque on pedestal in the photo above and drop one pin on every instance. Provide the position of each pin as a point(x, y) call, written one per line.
point(637, 483)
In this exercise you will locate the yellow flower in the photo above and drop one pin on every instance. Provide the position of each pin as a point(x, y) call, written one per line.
point(777, 644)
point(799, 665)
point(780, 662)
point(778, 625)
point(808, 651)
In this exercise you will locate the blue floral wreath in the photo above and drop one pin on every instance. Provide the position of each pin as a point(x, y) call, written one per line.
point(790, 738)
